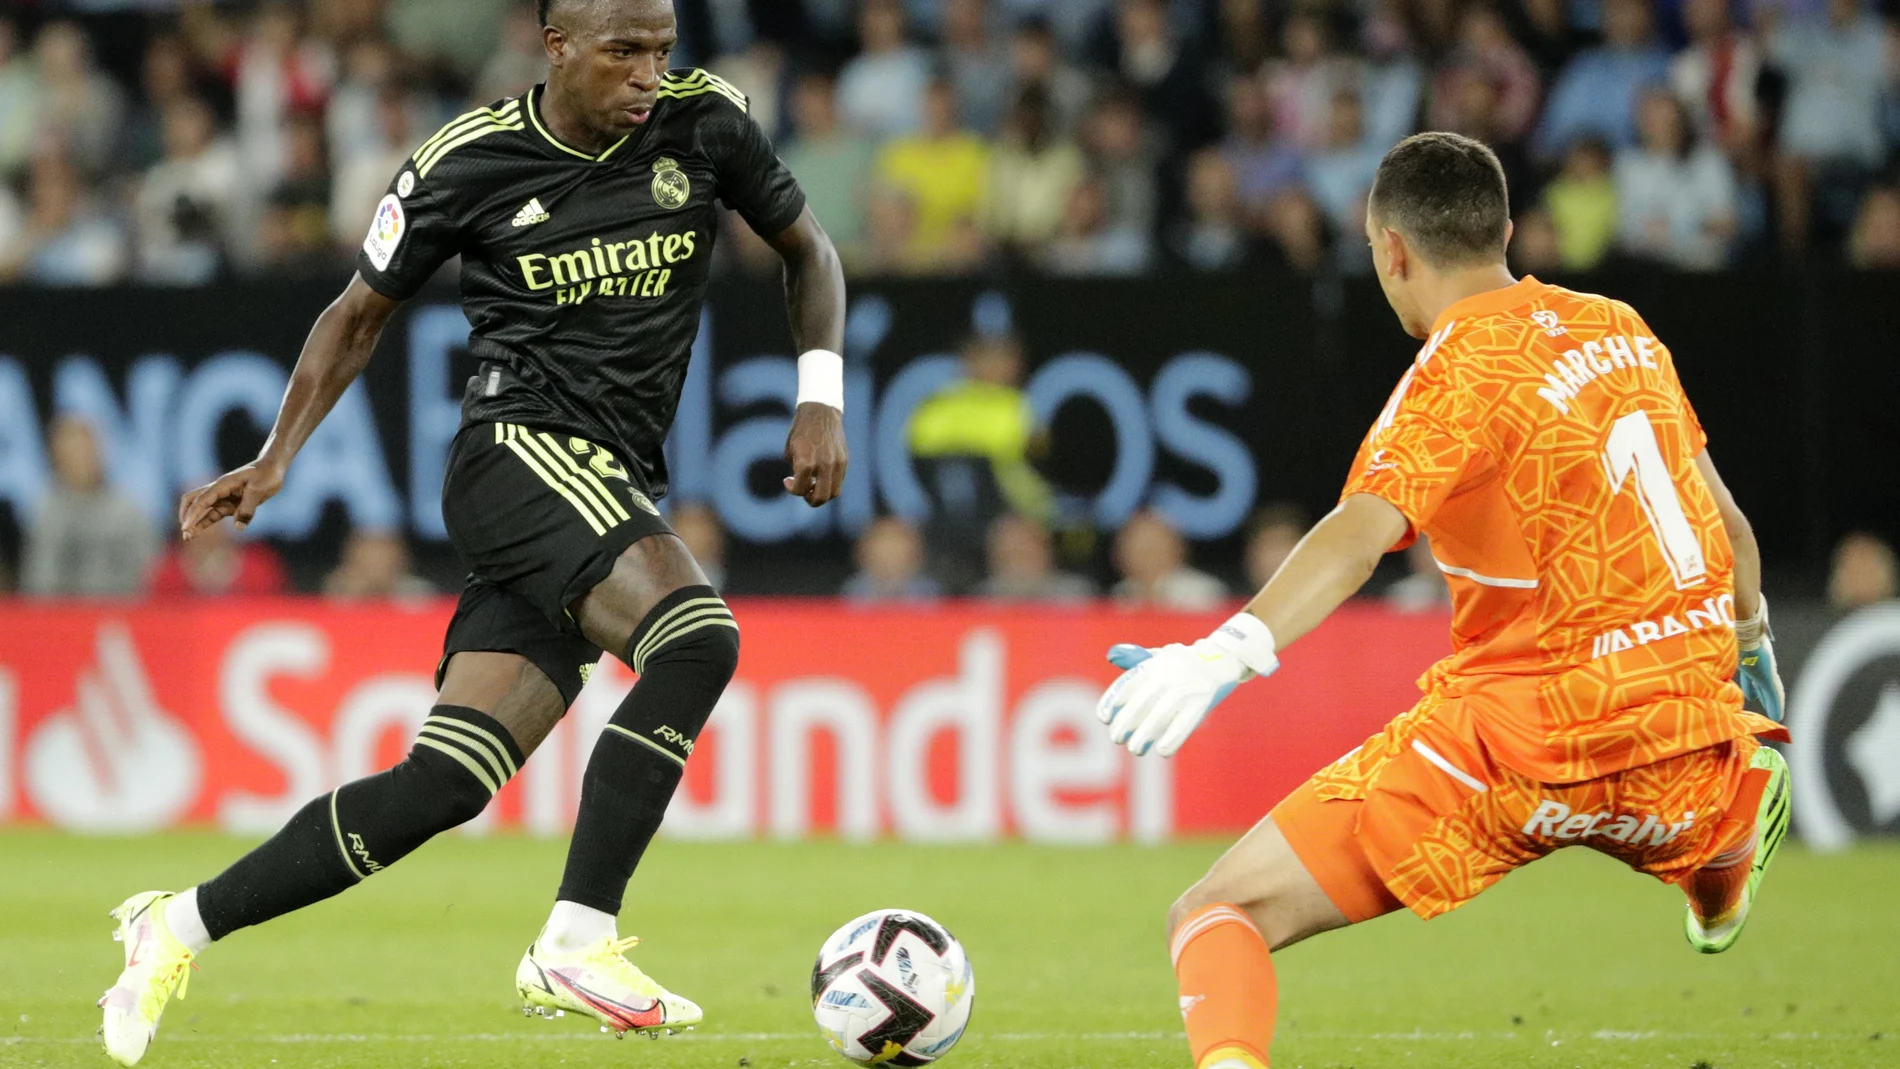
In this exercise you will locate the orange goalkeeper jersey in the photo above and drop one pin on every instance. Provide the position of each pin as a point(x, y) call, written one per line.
point(1542, 441)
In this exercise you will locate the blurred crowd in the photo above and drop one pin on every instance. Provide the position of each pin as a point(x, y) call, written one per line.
point(181, 142)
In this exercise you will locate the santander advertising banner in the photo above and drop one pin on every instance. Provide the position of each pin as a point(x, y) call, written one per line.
point(956, 723)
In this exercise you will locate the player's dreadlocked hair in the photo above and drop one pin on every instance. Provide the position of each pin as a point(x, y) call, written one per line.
point(1446, 194)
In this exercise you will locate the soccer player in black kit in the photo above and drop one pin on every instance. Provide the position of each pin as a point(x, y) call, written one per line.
point(584, 214)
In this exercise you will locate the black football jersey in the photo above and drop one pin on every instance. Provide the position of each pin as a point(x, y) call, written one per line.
point(582, 276)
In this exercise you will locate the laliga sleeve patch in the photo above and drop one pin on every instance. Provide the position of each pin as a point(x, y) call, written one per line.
point(385, 234)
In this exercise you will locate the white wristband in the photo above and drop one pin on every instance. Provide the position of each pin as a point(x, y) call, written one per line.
point(1248, 638)
point(821, 378)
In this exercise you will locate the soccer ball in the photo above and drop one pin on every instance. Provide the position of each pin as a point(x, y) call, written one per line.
point(892, 988)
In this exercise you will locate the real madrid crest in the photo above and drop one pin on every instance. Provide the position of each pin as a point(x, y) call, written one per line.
point(671, 187)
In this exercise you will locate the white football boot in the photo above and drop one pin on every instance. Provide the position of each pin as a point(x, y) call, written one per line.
point(157, 968)
point(601, 983)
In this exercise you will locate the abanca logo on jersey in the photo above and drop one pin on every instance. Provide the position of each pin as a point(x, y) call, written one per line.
point(638, 268)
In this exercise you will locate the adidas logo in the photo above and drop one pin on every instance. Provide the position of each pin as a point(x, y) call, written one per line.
point(531, 213)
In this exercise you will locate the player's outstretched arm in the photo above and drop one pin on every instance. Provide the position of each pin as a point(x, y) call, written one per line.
point(1164, 694)
point(337, 350)
point(1756, 671)
point(1328, 566)
point(814, 299)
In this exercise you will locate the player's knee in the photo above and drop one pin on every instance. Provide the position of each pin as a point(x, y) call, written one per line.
point(447, 794)
point(691, 629)
point(1209, 893)
point(1195, 898)
point(461, 759)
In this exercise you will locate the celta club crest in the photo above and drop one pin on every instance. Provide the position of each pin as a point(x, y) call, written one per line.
point(671, 187)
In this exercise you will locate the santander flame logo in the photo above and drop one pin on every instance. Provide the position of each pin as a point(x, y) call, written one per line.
point(115, 761)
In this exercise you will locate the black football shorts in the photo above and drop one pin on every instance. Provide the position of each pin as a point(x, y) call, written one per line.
point(539, 518)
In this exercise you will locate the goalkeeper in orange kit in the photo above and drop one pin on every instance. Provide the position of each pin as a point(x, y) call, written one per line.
point(1607, 622)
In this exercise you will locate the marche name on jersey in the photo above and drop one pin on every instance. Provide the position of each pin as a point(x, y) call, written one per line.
point(636, 268)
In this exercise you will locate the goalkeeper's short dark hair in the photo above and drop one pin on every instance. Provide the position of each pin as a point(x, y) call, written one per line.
point(541, 8)
point(1446, 193)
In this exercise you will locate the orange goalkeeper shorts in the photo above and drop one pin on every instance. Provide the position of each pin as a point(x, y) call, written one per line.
point(1421, 816)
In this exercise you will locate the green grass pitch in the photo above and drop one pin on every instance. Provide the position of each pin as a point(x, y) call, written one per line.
point(1573, 962)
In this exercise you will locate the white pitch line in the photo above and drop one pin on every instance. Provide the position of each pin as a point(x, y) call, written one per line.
point(568, 1036)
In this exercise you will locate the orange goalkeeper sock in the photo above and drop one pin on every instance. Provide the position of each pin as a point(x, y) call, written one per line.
point(1715, 889)
point(1228, 993)
point(1714, 893)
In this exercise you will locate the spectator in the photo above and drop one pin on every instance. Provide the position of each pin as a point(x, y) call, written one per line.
point(1597, 92)
point(375, 565)
point(1390, 81)
point(1124, 153)
point(186, 204)
point(1423, 588)
point(1864, 573)
point(698, 526)
point(1534, 245)
point(1487, 53)
point(217, 562)
point(890, 559)
point(85, 539)
point(1165, 72)
point(1272, 534)
point(458, 34)
point(759, 71)
point(1581, 201)
point(297, 229)
point(1022, 566)
point(352, 120)
point(881, 90)
point(1214, 236)
point(519, 62)
point(1092, 244)
point(1838, 71)
point(1475, 114)
point(1152, 560)
point(1339, 173)
point(1033, 172)
point(1243, 34)
point(1675, 199)
point(277, 73)
point(1549, 32)
point(66, 239)
point(890, 230)
point(363, 180)
point(973, 444)
point(1264, 165)
point(979, 65)
point(77, 103)
point(1036, 60)
point(1717, 76)
point(1302, 84)
point(19, 98)
point(166, 78)
point(1297, 229)
point(831, 161)
point(1875, 242)
point(944, 169)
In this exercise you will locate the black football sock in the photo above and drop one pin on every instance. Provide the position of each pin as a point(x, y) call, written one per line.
point(460, 759)
point(685, 652)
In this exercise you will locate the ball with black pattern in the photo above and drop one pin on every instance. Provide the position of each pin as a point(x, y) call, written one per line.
point(892, 988)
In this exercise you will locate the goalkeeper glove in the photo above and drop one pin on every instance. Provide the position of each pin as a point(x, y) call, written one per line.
point(1756, 674)
point(1164, 694)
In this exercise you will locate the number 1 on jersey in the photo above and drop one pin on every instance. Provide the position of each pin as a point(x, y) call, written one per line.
point(1632, 447)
